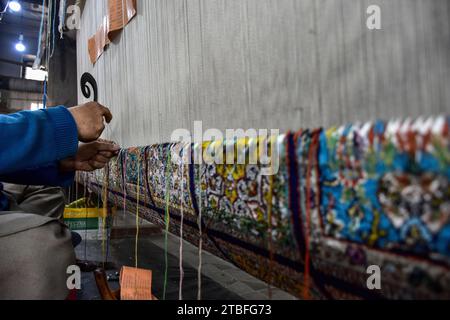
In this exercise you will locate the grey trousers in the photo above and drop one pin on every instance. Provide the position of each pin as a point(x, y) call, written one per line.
point(35, 246)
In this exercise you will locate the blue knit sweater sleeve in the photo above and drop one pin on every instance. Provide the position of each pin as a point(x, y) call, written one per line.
point(33, 141)
point(49, 175)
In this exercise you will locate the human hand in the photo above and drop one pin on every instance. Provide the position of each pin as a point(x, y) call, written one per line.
point(91, 156)
point(90, 119)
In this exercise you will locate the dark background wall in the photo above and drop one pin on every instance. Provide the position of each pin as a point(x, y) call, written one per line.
point(62, 80)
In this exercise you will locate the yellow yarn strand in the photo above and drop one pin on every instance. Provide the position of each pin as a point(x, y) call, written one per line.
point(269, 221)
point(85, 221)
point(180, 296)
point(138, 191)
point(104, 211)
point(200, 241)
point(167, 222)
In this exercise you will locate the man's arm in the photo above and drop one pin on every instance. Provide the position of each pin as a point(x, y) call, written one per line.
point(36, 139)
point(50, 175)
point(90, 156)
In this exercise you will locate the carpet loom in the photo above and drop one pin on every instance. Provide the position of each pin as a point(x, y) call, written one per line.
point(343, 199)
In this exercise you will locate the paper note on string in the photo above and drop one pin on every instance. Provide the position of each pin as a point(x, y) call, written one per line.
point(135, 284)
point(98, 42)
point(120, 13)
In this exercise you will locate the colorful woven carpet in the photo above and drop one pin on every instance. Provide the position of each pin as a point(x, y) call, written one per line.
point(343, 199)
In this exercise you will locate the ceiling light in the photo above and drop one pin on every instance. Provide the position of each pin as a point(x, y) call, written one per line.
point(19, 45)
point(15, 6)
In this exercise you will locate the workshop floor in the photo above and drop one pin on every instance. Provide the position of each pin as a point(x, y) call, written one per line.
point(220, 279)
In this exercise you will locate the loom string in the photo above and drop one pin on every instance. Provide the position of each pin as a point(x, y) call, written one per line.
point(86, 217)
point(62, 17)
point(139, 160)
point(307, 229)
point(76, 187)
point(110, 219)
point(98, 192)
point(126, 102)
point(148, 192)
point(167, 221)
point(105, 212)
point(41, 30)
point(147, 197)
point(102, 195)
point(144, 177)
point(126, 96)
point(318, 280)
point(138, 191)
point(110, 137)
point(97, 210)
point(124, 174)
point(111, 223)
point(108, 235)
point(297, 144)
point(123, 152)
point(48, 37)
point(53, 28)
point(44, 95)
point(109, 132)
point(47, 52)
point(193, 196)
point(269, 221)
point(306, 288)
point(99, 206)
point(181, 225)
point(199, 221)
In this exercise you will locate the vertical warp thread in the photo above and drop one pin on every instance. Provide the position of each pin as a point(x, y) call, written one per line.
point(76, 186)
point(199, 221)
point(62, 17)
point(124, 174)
point(48, 49)
point(167, 222)
point(69, 200)
point(138, 190)
point(86, 218)
point(53, 28)
point(44, 95)
point(269, 221)
point(306, 288)
point(41, 30)
point(181, 227)
point(48, 38)
point(98, 192)
point(104, 210)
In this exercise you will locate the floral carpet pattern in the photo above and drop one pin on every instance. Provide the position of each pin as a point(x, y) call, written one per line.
point(342, 200)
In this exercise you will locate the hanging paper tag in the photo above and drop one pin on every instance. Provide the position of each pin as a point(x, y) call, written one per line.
point(135, 284)
point(120, 13)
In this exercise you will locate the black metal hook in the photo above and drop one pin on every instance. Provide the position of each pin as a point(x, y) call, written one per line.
point(87, 78)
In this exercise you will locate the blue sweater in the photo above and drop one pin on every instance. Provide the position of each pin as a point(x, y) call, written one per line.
point(31, 145)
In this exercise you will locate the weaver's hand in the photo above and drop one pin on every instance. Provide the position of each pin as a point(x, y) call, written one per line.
point(91, 156)
point(90, 119)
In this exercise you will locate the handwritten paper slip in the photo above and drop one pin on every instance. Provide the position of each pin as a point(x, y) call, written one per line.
point(98, 42)
point(120, 13)
point(135, 284)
